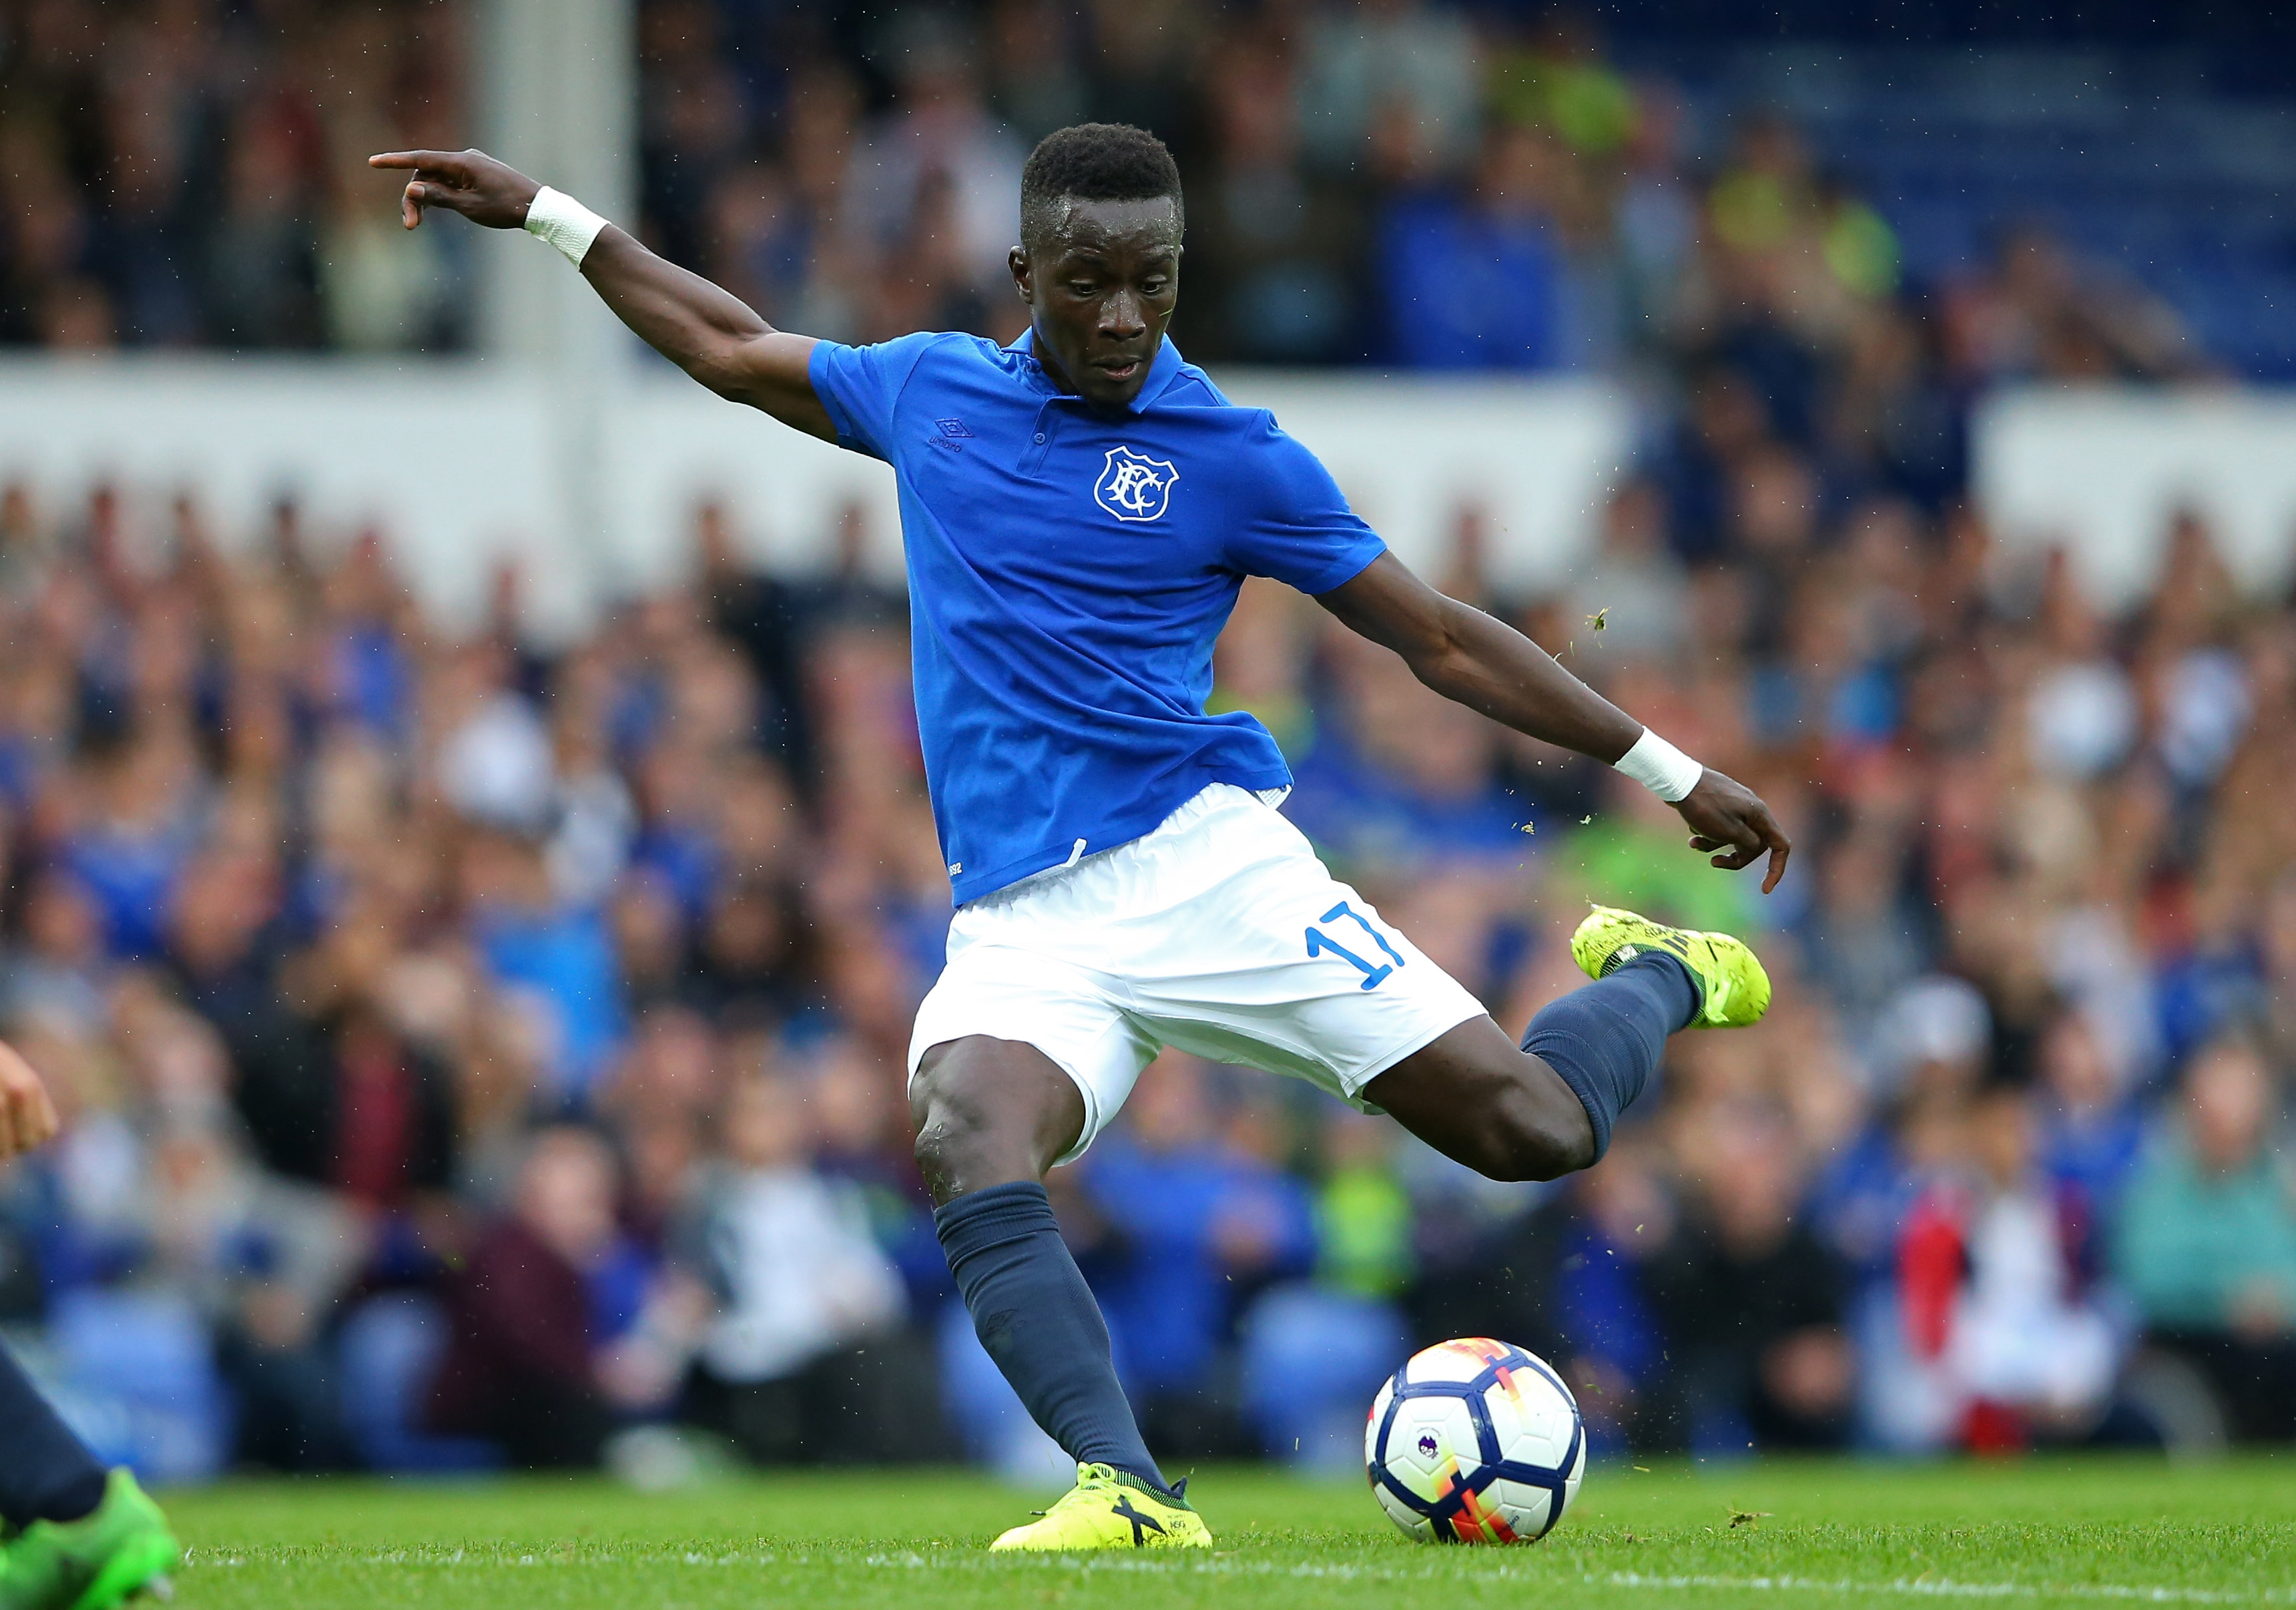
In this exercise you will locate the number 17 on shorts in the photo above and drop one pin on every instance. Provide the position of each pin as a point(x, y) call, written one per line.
point(1320, 942)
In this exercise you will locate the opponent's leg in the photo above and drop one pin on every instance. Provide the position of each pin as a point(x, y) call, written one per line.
point(991, 1117)
point(1509, 1112)
point(82, 1539)
point(46, 1473)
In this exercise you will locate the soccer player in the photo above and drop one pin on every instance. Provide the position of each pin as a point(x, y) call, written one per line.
point(79, 1538)
point(1079, 510)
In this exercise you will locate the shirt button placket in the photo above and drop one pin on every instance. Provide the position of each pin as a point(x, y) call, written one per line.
point(1034, 459)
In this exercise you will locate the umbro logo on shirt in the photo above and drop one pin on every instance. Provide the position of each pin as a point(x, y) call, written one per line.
point(1134, 486)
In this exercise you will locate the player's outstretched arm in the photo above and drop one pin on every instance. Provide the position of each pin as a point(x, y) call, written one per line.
point(1486, 665)
point(713, 336)
point(28, 1118)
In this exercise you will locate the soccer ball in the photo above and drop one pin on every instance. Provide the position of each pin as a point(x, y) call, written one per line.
point(1475, 1441)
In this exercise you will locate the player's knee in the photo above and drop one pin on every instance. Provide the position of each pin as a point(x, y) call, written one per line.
point(1538, 1139)
point(984, 1116)
point(953, 1126)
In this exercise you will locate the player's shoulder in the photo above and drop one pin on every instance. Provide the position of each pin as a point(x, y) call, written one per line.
point(1190, 389)
point(1193, 392)
point(938, 348)
point(1253, 446)
point(927, 370)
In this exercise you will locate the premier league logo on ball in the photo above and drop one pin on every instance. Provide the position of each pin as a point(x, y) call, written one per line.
point(1134, 486)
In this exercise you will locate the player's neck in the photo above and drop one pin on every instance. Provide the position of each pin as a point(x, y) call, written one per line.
point(1041, 350)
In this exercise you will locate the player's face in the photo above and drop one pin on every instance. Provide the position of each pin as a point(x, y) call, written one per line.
point(1101, 284)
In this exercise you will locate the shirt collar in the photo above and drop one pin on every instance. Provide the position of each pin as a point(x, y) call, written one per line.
point(1161, 369)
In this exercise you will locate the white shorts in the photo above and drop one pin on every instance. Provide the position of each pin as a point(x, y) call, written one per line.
point(1220, 933)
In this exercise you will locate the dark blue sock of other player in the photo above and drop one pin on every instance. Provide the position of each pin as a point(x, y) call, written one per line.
point(1605, 1039)
point(1036, 1318)
point(46, 1473)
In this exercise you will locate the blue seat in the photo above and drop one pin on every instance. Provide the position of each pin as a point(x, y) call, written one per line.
point(1313, 1360)
point(387, 1352)
point(135, 1375)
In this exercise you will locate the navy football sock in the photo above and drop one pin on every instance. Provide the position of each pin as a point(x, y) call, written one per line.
point(1036, 1318)
point(46, 1473)
point(1605, 1039)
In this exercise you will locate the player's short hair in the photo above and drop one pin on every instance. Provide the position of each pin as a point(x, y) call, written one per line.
point(1096, 162)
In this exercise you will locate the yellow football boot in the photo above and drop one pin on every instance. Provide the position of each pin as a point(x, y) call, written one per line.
point(1735, 990)
point(1110, 1508)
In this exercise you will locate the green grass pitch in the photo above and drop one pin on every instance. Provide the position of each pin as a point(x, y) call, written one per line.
point(1782, 1532)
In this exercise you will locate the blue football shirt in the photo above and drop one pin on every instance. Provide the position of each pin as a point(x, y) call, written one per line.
point(1068, 572)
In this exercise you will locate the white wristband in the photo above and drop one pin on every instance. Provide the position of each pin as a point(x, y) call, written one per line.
point(555, 217)
point(1660, 766)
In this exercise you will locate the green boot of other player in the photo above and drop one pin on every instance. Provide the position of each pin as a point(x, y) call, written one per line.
point(102, 1559)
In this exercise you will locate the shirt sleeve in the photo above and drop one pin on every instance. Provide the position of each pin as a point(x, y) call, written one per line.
point(860, 385)
point(1293, 522)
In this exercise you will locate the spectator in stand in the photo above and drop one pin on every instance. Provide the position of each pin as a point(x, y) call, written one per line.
point(937, 181)
point(799, 1362)
point(1402, 60)
point(2277, 956)
point(530, 938)
point(1597, 1312)
point(1996, 1269)
point(177, 174)
point(2207, 1243)
point(1862, 944)
point(1142, 58)
point(1749, 1300)
point(1036, 82)
point(60, 971)
point(1633, 584)
point(2093, 1126)
point(2039, 311)
point(1473, 279)
point(696, 116)
point(1276, 245)
point(551, 1342)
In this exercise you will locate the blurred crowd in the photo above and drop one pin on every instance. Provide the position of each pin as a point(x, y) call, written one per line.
point(480, 1056)
point(475, 1055)
point(1369, 181)
point(1388, 182)
point(193, 173)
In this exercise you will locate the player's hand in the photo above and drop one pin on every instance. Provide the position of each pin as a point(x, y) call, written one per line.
point(469, 182)
point(28, 1118)
point(1729, 819)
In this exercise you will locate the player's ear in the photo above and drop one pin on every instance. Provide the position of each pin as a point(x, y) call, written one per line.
point(1017, 261)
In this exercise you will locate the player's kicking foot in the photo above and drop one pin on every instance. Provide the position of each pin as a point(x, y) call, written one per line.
point(1110, 1508)
point(1731, 983)
point(121, 1548)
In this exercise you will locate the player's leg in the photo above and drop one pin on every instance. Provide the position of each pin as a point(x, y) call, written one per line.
point(1547, 1108)
point(990, 1111)
point(992, 1116)
point(1280, 965)
point(83, 1539)
point(1506, 1112)
point(46, 1473)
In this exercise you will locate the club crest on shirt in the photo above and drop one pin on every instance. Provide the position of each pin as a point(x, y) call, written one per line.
point(1133, 486)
